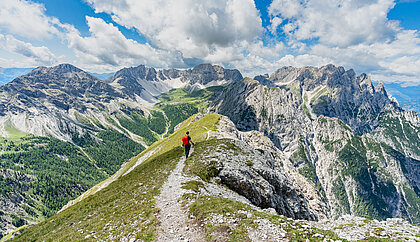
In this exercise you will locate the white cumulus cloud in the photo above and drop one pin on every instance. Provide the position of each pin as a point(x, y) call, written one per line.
point(196, 28)
point(336, 22)
point(27, 19)
point(353, 33)
point(38, 55)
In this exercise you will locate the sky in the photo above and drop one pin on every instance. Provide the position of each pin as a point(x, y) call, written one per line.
point(378, 37)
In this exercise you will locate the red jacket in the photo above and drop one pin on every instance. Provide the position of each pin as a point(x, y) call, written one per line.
point(186, 140)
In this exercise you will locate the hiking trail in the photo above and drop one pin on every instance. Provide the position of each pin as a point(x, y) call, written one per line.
point(174, 222)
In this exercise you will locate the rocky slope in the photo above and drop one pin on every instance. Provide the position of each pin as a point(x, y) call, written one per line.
point(51, 101)
point(349, 138)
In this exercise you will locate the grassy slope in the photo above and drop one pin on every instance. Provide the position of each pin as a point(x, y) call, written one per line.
point(173, 108)
point(178, 104)
point(127, 204)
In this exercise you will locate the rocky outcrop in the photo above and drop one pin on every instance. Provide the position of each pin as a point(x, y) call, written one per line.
point(250, 164)
point(263, 182)
point(272, 163)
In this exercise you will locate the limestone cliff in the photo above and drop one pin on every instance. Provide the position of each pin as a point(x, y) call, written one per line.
point(350, 139)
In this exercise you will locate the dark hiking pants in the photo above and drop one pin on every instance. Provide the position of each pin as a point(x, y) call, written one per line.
point(187, 150)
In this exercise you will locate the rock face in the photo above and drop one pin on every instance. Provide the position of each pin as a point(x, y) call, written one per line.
point(348, 138)
point(259, 171)
point(333, 92)
point(257, 176)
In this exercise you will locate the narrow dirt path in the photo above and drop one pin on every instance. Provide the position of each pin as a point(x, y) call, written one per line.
point(175, 224)
point(168, 124)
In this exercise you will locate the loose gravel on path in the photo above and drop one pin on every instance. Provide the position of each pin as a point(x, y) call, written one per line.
point(175, 224)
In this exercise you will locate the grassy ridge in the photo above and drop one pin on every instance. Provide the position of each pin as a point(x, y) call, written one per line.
point(125, 206)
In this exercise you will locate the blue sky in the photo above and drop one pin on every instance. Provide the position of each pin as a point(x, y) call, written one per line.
point(379, 37)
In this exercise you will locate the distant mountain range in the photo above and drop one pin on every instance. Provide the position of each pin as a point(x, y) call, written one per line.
point(407, 96)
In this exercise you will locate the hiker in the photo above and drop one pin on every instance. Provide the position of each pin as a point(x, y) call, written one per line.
point(186, 142)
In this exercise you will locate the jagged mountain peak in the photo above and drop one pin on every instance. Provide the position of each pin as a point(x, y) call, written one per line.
point(380, 88)
point(147, 83)
point(336, 78)
point(213, 73)
point(203, 66)
point(138, 72)
point(59, 69)
point(311, 77)
point(206, 70)
point(333, 91)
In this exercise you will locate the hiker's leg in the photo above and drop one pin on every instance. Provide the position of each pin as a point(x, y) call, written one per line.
point(187, 150)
